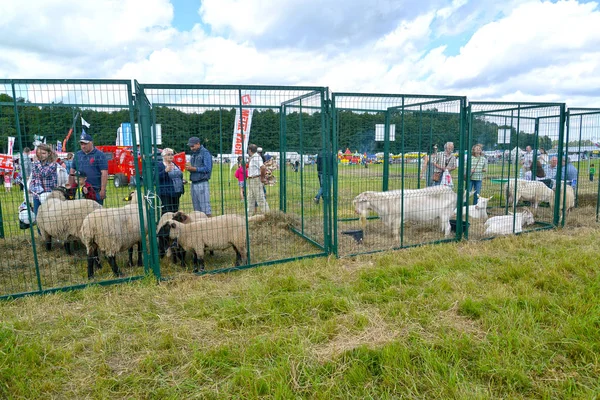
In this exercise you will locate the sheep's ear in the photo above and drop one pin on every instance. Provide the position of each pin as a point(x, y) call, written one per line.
point(173, 225)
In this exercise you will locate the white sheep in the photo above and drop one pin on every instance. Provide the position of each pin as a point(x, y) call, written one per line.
point(478, 210)
point(535, 192)
point(62, 219)
point(113, 230)
point(503, 224)
point(216, 233)
point(570, 200)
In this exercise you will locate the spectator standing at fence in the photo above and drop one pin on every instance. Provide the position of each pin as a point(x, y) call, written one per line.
point(200, 167)
point(93, 163)
point(444, 161)
point(570, 172)
point(428, 166)
point(479, 166)
point(592, 172)
point(527, 160)
point(543, 157)
point(256, 179)
point(43, 175)
point(170, 182)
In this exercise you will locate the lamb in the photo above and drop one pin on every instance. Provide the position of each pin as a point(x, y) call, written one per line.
point(419, 205)
point(534, 191)
point(478, 210)
point(503, 225)
point(214, 233)
point(61, 218)
point(113, 230)
point(162, 232)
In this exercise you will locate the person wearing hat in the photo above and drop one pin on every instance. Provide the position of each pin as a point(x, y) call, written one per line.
point(200, 167)
point(92, 163)
point(87, 190)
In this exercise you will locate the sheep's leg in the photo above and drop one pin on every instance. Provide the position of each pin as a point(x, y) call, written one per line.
point(97, 259)
point(198, 262)
point(140, 261)
point(238, 257)
point(49, 243)
point(130, 253)
point(113, 264)
point(68, 249)
point(90, 265)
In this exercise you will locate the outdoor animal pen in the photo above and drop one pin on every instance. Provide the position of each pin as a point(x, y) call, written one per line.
point(384, 143)
point(51, 112)
point(506, 130)
point(582, 146)
point(289, 124)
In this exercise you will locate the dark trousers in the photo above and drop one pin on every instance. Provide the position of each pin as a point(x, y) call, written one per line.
point(169, 203)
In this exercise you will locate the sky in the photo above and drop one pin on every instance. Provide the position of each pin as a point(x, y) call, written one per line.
point(488, 50)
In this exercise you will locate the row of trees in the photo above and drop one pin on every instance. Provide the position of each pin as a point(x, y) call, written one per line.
point(415, 131)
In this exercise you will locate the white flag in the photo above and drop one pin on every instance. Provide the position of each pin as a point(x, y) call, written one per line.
point(84, 123)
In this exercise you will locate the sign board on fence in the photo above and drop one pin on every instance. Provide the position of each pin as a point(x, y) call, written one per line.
point(503, 135)
point(380, 132)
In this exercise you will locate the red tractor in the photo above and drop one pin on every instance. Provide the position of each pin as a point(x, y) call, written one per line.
point(120, 163)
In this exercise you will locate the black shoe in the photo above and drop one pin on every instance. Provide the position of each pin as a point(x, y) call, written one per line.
point(316, 200)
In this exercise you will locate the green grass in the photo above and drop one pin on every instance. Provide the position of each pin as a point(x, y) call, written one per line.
point(516, 317)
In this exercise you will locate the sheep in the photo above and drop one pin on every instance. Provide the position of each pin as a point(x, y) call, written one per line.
point(503, 224)
point(214, 233)
point(570, 199)
point(162, 232)
point(478, 210)
point(534, 191)
point(113, 230)
point(61, 218)
point(419, 205)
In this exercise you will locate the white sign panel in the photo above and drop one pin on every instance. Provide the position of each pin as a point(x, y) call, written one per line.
point(380, 132)
point(503, 136)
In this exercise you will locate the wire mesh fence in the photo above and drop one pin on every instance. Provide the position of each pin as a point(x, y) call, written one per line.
point(582, 141)
point(62, 120)
point(389, 150)
point(259, 215)
point(514, 152)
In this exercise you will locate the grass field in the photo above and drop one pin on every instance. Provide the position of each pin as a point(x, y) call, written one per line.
point(516, 317)
point(269, 241)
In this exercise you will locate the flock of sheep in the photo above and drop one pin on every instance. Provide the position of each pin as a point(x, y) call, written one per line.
point(114, 230)
point(439, 203)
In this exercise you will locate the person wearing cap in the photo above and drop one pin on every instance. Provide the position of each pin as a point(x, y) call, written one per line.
point(200, 167)
point(256, 179)
point(93, 164)
point(87, 190)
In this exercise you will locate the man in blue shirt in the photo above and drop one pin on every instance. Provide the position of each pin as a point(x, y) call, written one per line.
point(200, 167)
point(93, 163)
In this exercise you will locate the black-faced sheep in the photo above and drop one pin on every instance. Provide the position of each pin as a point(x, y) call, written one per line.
point(62, 219)
point(216, 233)
point(113, 230)
point(165, 244)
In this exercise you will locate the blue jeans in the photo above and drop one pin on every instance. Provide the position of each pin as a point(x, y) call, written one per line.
point(320, 192)
point(201, 197)
point(475, 185)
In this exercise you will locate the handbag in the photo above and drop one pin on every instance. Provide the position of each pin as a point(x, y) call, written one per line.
point(437, 176)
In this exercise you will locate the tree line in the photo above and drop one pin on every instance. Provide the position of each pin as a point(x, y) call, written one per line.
point(302, 132)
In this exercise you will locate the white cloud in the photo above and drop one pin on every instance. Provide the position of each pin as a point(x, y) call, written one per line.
point(527, 49)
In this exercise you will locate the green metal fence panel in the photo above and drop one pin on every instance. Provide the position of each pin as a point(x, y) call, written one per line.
point(387, 147)
point(514, 154)
point(55, 113)
point(582, 147)
point(289, 124)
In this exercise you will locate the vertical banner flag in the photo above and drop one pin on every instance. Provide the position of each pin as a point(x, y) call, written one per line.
point(126, 139)
point(238, 147)
point(11, 144)
point(58, 146)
